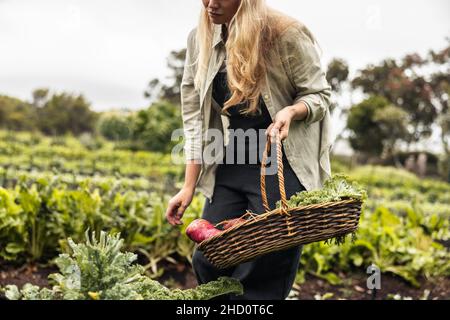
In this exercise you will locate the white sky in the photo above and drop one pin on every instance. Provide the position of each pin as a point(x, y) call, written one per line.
point(109, 50)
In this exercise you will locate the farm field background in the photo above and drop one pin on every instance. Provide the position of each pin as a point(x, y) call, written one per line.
point(55, 188)
point(94, 107)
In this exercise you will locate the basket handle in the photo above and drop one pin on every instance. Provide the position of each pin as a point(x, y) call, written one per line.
point(284, 205)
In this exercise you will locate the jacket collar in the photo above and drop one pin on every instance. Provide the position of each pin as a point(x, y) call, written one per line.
point(217, 36)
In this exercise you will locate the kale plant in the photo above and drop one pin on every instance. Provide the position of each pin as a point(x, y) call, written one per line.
point(98, 270)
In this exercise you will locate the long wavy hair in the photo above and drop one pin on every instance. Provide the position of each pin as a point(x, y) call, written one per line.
point(250, 37)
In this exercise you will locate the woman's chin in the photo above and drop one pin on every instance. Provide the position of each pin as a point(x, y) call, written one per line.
point(217, 20)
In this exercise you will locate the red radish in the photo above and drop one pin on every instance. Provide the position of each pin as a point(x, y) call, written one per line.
point(232, 222)
point(200, 230)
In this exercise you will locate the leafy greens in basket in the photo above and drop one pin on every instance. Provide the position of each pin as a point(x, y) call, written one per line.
point(335, 189)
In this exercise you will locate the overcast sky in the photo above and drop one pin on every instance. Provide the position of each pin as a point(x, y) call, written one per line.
point(109, 50)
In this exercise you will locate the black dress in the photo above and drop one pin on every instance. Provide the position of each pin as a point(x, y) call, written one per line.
point(237, 189)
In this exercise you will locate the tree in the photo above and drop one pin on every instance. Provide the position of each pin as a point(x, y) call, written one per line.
point(440, 84)
point(337, 74)
point(402, 86)
point(375, 126)
point(64, 113)
point(337, 77)
point(39, 97)
point(392, 122)
point(16, 114)
point(115, 127)
point(156, 90)
point(152, 128)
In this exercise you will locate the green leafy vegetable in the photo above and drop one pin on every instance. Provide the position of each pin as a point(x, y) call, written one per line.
point(335, 189)
point(99, 270)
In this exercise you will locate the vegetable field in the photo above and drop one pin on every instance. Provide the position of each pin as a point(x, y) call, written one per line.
point(54, 189)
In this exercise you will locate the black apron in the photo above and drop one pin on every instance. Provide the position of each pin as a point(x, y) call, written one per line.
point(237, 189)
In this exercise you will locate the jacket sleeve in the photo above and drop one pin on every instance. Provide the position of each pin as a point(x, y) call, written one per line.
point(190, 106)
point(302, 62)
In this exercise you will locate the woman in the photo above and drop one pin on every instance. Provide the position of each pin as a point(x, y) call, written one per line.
point(251, 68)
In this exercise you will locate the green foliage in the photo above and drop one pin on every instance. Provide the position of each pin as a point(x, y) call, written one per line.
point(375, 125)
point(51, 192)
point(12, 230)
point(16, 114)
point(397, 245)
point(63, 113)
point(340, 164)
point(402, 221)
point(400, 83)
point(98, 270)
point(69, 155)
point(36, 216)
point(152, 128)
point(334, 189)
point(115, 127)
point(337, 73)
point(56, 114)
point(394, 184)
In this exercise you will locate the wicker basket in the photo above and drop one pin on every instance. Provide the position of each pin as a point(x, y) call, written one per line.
point(280, 228)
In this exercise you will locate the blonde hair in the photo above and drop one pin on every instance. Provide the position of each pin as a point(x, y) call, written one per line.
point(250, 37)
point(252, 33)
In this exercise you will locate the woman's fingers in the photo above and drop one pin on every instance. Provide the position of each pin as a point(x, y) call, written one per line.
point(269, 128)
point(169, 213)
point(273, 128)
point(179, 214)
point(176, 207)
point(284, 132)
point(172, 213)
point(278, 127)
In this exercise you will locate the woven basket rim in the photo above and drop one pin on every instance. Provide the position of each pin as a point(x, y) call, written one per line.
point(258, 217)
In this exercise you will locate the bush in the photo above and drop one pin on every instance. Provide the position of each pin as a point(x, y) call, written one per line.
point(115, 127)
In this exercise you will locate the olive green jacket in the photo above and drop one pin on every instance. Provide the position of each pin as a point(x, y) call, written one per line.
point(296, 74)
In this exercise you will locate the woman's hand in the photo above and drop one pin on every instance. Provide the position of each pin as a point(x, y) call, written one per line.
point(178, 204)
point(284, 117)
point(281, 123)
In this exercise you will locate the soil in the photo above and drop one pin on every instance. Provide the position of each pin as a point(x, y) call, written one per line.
point(355, 288)
point(34, 274)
